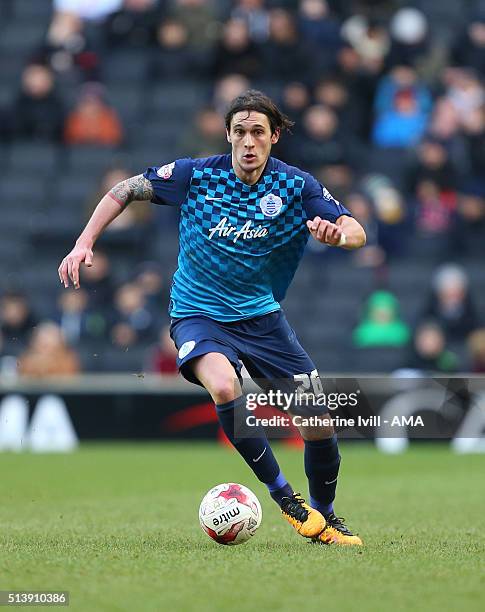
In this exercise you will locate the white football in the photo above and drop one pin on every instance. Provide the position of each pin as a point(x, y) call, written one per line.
point(230, 513)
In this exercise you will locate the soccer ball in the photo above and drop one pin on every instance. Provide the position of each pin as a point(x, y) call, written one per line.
point(230, 513)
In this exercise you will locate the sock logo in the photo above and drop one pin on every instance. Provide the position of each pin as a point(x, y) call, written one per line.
point(331, 481)
point(258, 458)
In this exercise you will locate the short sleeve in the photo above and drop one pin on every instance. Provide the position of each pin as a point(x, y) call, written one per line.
point(318, 202)
point(170, 182)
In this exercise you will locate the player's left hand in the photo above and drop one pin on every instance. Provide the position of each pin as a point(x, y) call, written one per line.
point(325, 231)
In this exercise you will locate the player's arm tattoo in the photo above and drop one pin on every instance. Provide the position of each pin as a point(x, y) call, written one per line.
point(134, 188)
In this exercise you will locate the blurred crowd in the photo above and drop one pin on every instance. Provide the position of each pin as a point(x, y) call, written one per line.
point(388, 99)
point(126, 317)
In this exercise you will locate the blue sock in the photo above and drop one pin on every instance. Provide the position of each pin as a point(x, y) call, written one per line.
point(279, 489)
point(322, 461)
point(255, 450)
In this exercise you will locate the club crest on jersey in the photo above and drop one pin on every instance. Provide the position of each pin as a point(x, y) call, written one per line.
point(165, 172)
point(271, 205)
point(186, 348)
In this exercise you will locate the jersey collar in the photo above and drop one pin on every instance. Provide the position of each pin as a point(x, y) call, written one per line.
point(267, 170)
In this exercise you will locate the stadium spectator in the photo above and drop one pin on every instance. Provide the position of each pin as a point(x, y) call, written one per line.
point(432, 180)
point(474, 131)
point(321, 31)
point(256, 16)
point(133, 323)
point(476, 347)
point(432, 163)
point(150, 279)
point(371, 255)
point(92, 121)
point(450, 303)
point(175, 57)
point(409, 37)
point(295, 99)
point(236, 52)
point(445, 127)
point(163, 358)
point(465, 92)
point(285, 54)
point(198, 18)
point(133, 25)
point(338, 178)
point(206, 136)
point(37, 113)
point(390, 212)
point(321, 142)
point(444, 123)
point(469, 47)
point(69, 49)
point(333, 93)
point(369, 38)
point(98, 282)
point(226, 89)
point(361, 78)
point(48, 354)
point(76, 321)
point(468, 231)
point(434, 211)
point(73, 40)
point(66, 34)
point(402, 107)
point(429, 352)
point(381, 324)
point(16, 321)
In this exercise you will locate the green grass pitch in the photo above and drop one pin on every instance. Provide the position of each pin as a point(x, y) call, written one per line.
point(117, 526)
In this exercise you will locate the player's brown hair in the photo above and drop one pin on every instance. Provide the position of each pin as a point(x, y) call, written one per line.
point(254, 100)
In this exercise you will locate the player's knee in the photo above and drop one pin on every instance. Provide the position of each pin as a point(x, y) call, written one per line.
point(224, 391)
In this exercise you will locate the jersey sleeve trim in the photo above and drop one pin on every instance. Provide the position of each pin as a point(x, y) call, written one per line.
point(317, 201)
point(170, 182)
point(113, 197)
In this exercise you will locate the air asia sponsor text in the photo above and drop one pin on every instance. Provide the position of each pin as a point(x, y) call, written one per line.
point(246, 232)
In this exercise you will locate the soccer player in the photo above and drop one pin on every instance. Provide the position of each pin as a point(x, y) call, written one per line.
point(245, 219)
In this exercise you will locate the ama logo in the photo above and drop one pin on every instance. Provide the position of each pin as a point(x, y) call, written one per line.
point(271, 205)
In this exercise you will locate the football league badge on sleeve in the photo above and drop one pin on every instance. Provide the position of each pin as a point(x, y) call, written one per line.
point(326, 194)
point(165, 172)
point(271, 205)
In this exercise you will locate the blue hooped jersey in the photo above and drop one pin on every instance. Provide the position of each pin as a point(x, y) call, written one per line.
point(240, 244)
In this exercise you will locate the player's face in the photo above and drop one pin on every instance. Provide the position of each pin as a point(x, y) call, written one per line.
point(251, 139)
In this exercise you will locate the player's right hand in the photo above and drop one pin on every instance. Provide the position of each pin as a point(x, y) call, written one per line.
point(69, 268)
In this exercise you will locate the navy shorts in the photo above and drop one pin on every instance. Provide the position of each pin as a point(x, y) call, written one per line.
point(266, 345)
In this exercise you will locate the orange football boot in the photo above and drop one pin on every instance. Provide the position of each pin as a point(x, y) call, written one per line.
point(306, 520)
